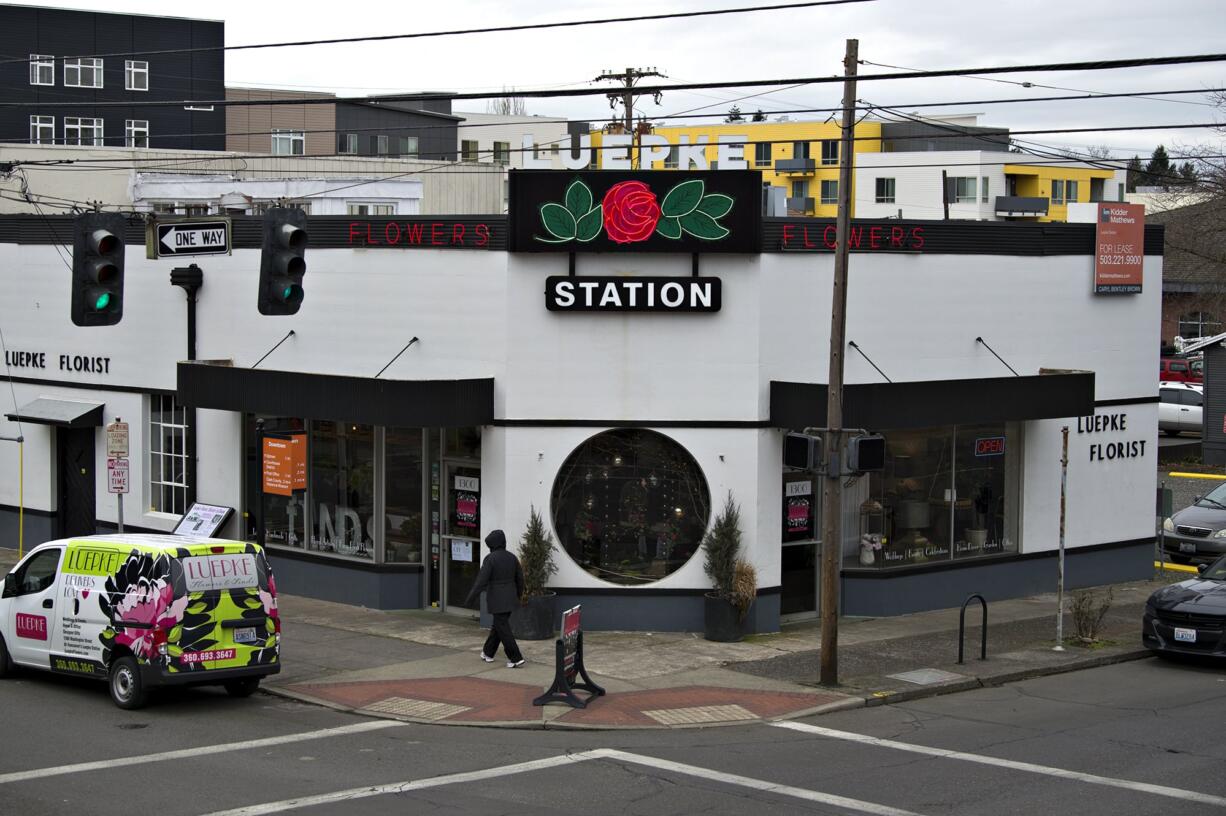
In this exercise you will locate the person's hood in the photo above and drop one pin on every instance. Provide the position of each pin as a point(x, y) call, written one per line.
point(496, 540)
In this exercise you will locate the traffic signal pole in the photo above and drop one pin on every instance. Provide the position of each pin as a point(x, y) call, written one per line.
point(832, 485)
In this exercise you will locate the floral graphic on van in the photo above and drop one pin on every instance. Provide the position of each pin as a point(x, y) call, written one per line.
point(139, 599)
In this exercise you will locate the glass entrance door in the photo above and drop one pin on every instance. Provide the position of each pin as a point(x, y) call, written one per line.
point(454, 568)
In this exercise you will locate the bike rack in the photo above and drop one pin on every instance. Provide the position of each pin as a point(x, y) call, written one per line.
point(983, 646)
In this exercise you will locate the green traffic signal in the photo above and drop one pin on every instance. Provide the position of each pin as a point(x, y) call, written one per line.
point(102, 302)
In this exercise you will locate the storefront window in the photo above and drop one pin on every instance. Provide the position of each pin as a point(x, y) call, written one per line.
point(403, 495)
point(630, 506)
point(462, 443)
point(342, 459)
point(285, 509)
point(946, 494)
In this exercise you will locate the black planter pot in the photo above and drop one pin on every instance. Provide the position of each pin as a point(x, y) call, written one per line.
point(535, 620)
point(722, 623)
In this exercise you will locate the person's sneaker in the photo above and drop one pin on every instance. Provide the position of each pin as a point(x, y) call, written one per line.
point(486, 658)
point(515, 664)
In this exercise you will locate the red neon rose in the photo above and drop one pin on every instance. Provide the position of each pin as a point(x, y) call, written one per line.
point(630, 212)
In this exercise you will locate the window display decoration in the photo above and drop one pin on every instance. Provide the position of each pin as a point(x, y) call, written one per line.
point(630, 506)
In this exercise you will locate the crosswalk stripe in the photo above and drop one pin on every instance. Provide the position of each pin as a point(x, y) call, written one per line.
point(188, 753)
point(857, 805)
point(1029, 767)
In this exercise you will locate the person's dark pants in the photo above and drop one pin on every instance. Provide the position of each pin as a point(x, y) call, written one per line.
point(500, 632)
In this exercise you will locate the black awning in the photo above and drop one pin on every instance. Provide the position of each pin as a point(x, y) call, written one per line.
point(882, 406)
point(59, 412)
point(440, 403)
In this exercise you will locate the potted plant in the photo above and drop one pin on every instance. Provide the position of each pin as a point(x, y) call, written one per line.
point(733, 579)
point(533, 619)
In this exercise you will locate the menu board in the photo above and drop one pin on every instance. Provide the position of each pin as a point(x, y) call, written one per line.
point(203, 520)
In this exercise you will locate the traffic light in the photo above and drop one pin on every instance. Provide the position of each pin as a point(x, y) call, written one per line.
point(97, 269)
point(282, 264)
point(865, 453)
point(802, 451)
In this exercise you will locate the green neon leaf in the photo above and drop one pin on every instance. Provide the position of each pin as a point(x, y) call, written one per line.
point(591, 224)
point(682, 199)
point(703, 226)
point(669, 227)
point(578, 199)
point(558, 221)
point(716, 205)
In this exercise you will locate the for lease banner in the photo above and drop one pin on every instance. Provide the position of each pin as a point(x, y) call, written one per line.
point(1119, 249)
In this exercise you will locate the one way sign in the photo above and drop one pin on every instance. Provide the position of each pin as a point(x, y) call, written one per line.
point(199, 237)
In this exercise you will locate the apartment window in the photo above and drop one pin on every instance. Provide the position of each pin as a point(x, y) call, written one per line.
point(381, 145)
point(965, 190)
point(42, 69)
point(468, 150)
point(885, 191)
point(349, 143)
point(79, 131)
point(83, 72)
point(288, 143)
point(983, 193)
point(167, 455)
point(830, 191)
point(42, 130)
point(371, 209)
point(762, 154)
point(1057, 191)
point(502, 152)
point(136, 75)
point(408, 146)
point(830, 151)
point(1195, 325)
point(800, 150)
point(673, 158)
point(136, 132)
point(1070, 192)
point(800, 189)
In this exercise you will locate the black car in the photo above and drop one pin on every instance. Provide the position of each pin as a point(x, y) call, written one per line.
point(1189, 617)
point(1197, 533)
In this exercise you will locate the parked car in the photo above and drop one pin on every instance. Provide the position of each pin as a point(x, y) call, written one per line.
point(1197, 533)
point(1181, 369)
point(143, 610)
point(1180, 407)
point(1189, 617)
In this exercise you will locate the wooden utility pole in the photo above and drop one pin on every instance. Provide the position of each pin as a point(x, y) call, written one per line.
point(626, 96)
point(832, 485)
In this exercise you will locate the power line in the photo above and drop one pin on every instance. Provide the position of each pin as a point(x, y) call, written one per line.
point(1095, 65)
point(466, 31)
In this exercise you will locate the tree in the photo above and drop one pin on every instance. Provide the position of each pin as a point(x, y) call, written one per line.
point(508, 105)
point(734, 114)
point(1136, 169)
point(759, 116)
point(1158, 171)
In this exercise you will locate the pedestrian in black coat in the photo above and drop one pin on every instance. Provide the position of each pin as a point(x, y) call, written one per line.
point(502, 579)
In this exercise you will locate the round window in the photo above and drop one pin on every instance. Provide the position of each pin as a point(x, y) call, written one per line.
point(630, 506)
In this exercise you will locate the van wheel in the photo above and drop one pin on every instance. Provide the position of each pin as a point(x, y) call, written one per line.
point(127, 688)
point(242, 688)
point(6, 665)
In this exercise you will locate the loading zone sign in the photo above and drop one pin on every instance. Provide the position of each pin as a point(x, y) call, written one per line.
point(170, 239)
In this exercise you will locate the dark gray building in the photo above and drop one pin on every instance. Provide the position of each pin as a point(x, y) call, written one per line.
point(54, 59)
point(405, 128)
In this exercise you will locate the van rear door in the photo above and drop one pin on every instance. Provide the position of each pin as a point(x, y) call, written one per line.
point(227, 623)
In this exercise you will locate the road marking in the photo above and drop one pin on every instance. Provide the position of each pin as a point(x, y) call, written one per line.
point(188, 753)
point(1061, 773)
point(552, 762)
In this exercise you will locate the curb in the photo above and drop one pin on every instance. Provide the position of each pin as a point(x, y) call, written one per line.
point(854, 701)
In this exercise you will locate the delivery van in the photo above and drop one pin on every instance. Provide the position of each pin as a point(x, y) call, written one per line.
point(141, 611)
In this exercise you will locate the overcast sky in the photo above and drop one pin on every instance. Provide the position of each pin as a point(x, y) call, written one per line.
point(925, 34)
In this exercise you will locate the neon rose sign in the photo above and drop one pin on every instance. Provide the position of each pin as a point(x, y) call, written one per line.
point(630, 212)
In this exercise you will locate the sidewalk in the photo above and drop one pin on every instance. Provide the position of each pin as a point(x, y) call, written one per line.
point(425, 667)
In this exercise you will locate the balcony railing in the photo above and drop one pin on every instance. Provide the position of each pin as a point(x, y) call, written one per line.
point(1021, 206)
point(795, 165)
point(802, 205)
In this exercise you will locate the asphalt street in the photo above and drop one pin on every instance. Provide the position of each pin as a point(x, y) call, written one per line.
point(1141, 737)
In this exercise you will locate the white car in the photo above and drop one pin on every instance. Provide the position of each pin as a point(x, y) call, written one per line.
point(1180, 407)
